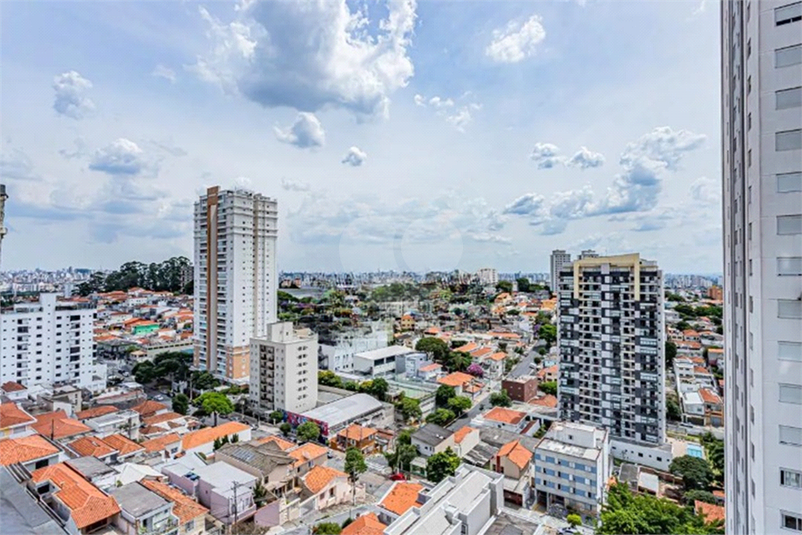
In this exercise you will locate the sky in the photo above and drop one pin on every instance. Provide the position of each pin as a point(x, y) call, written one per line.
point(395, 134)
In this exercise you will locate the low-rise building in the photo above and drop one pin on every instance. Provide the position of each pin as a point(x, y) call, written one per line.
point(226, 491)
point(523, 388)
point(14, 421)
point(125, 422)
point(143, 511)
point(32, 452)
point(385, 361)
point(358, 408)
point(273, 467)
point(431, 439)
point(356, 436)
point(515, 462)
point(502, 418)
point(465, 440)
point(189, 513)
point(398, 499)
point(202, 440)
point(327, 485)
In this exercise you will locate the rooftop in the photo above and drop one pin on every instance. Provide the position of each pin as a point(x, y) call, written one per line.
point(11, 415)
point(223, 475)
point(401, 497)
point(185, 508)
point(209, 434)
point(22, 450)
point(20, 512)
point(137, 500)
point(319, 477)
point(432, 434)
point(384, 352)
point(89, 467)
point(367, 524)
point(507, 416)
point(344, 410)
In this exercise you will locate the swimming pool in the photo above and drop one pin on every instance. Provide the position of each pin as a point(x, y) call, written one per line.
point(694, 450)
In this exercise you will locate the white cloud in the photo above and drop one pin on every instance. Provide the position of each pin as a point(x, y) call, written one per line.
point(16, 165)
point(585, 159)
point(355, 157)
point(419, 100)
point(530, 204)
point(306, 132)
point(706, 191)
point(121, 157)
point(517, 41)
point(288, 184)
point(438, 102)
point(164, 72)
point(457, 115)
point(312, 54)
point(487, 237)
point(71, 100)
point(546, 155)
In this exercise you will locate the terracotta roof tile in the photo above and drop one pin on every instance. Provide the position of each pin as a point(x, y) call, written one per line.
point(22, 450)
point(498, 356)
point(319, 477)
point(516, 453)
point(280, 442)
point(507, 416)
point(159, 444)
point(467, 348)
point(122, 444)
point(94, 412)
point(368, 524)
point(161, 418)
point(708, 396)
point(401, 497)
point(430, 367)
point(11, 415)
point(461, 433)
point(57, 425)
point(91, 447)
point(545, 401)
point(12, 386)
point(185, 508)
point(307, 452)
point(208, 434)
point(87, 504)
point(712, 512)
point(149, 407)
point(455, 379)
point(357, 432)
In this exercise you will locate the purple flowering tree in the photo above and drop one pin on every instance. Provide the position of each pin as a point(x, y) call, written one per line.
point(476, 370)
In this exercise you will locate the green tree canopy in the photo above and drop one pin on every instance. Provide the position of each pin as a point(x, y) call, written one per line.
point(504, 286)
point(574, 519)
point(548, 333)
point(441, 417)
point(523, 284)
point(329, 378)
point(459, 404)
point(180, 403)
point(434, 347)
point(671, 354)
point(441, 465)
point(276, 416)
point(548, 387)
point(443, 394)
point(404, 437)
point(701, 495)
point(378, 388)
point(500, 399)
point(327, 528)
point(214, 403)
point(285, 429)
point(409, 409)
point(354, 466)
point(308, 431)
point(673, 410)
point(696, 473)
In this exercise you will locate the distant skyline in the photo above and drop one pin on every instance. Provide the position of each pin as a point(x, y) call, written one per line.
point(419, 136)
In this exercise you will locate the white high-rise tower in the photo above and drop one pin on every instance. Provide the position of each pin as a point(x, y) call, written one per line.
point(559, 258)
point(235, 278)
point(761, 43)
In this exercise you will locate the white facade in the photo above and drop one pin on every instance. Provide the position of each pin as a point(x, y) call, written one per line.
point(612, 350)
point(488, 276)
point(386, 361)
point(235, 278)
point(48, 342)
point(559, 259)
point(284, 369)
point(341, 355)
point(572, 466)
point(761, 43)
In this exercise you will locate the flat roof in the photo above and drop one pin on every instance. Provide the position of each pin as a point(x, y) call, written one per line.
point(223, 476)
point(562, 448)
point(137, 500)
point(344, 410)
point(89, 467)
point(20, 512)
point(384, 352)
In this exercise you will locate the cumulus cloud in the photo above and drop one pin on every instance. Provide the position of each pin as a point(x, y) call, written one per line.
point(585, 159)
point(706, 191)
point(355, 157)
point(71, 100)
point(312, 54)
point(530, 204)
point(294, 185)
point(546, 155)
point(459, 115)
point(121, 157)
point(487, 237)
point(306, 132)
point(516, 41)
point(16, 165)
point(164, 72)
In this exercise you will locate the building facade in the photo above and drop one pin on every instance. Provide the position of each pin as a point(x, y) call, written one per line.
point(235, 278)
point(488, 276)
point(559, 259)
point(612, 346)
point(284, 369)
point(48, 342)
point(761, 101)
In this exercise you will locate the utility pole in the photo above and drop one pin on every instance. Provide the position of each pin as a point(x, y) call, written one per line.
point(235, 486)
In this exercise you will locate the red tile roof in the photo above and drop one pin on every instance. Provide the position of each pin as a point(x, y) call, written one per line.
point(357, 432)
point(91, 447)
point(161, 418)
point(185, 508)
point(507, 416)
point(160, 443)
point(208, 434)
point(546, 401)
point(515, 452)
point(711, 512)
point(122, 444)
point(455, 379)
point(22, 450)
point(319, 477)
point(149, 407)
point(57, 425)
point(94, 412)
point(307, 452)
point(401, 497)
point(280, 442)
point(461, 433)
point(368, 524)
point(12, 386)
point(11, 415)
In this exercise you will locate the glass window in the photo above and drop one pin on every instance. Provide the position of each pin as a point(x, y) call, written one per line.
point(789, 266)
point(789, 351)
point(789, 309)
point(792, 522)
point(790, 478)
point(785, 57)
point(789, 224)
point(788, 98)
point(788, 140)
point(791, 394)
point(791, 436)
point(788, 14)
point(787, 182)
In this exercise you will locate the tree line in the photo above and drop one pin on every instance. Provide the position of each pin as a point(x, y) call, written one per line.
point(157, 276)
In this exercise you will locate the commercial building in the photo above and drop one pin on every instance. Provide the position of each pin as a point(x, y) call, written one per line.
point(386, 361)
point(284, 369)
point(337, 415)
point(572, 466)
point(761, 44)
point(48, 342)
point(559, 259)
point(611, 343)
point(235, 278)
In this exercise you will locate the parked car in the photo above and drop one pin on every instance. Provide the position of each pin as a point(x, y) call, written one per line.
point(398, 477)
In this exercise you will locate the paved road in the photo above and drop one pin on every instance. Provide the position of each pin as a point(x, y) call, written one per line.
point(523, 368)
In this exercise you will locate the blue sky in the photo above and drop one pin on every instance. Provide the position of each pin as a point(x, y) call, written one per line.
point(394, 134)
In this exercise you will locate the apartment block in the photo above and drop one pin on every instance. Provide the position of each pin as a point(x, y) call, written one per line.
point(611, 343)
point(761, 84)
point(488, 276)
point(559, 259)
point(284, 369)
point(48, 342)
point(235, 278)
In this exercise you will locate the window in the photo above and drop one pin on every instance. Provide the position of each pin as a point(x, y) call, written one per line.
point(792, 521)
point(789, 351)
point(790, 55)
point(748, 85)
point(789, 309)
point(790, 436)
point(787, 182)
point(749, 122)
point(791, 394)
point(789, 224)
point(788, 14)
point(788, 140)
point(789, 266)
point(790, 478)
point(788, 98)
point(189, 526)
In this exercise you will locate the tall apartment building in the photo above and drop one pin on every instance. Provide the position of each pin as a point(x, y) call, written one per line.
point(48, 342)
point(611, 343)
point(235, 278)
point(559, 259)
point(284, 369)
point(488, 276)
point(761, 43)
point(588, 253)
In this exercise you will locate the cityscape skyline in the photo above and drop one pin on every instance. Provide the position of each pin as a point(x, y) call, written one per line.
point(540, 139)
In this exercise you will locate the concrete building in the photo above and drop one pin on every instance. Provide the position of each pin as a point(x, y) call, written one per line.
point(559, 259)
point(611, 343)
point(48, 342)
point(761, 101)
point(572, 466)
point(588, 253)
point(339, 353)
point(431, 439)
point(235, 278)
point(523, 388)
point(488, 276)
point(386, 361)
point(143, 511)
point(358, 408)
point(284, 369)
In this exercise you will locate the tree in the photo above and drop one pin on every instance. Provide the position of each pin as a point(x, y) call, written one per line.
point(144, 372)
point(683, 325)
point(458, 361)
point(203, 380)
point(715, 454)
point(354, 466)
point(500, 399)
point(259, 493)
point(673, 410)
point(523, 284)
point(217, 443)
point(329, 378)
point(548, 387)
point(378, 388)
point(459, 404)
point(434, 347)
point(701, 495)
point(409, 409)
point(308, 431)
point(441, 417)
point(504, 286)
point(404, 437)
point(441, 465)
point(276, 416)
point(548, 333)
point(671, 354)
point(443, 394)
point(285, 429)
point(475, 370)
point(327, 528)
point(406, 454)
point(696, 473)
point(180, 403)
point(215, 403)
point(574, 519)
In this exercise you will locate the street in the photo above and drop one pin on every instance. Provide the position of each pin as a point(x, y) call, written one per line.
point(523, 367)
